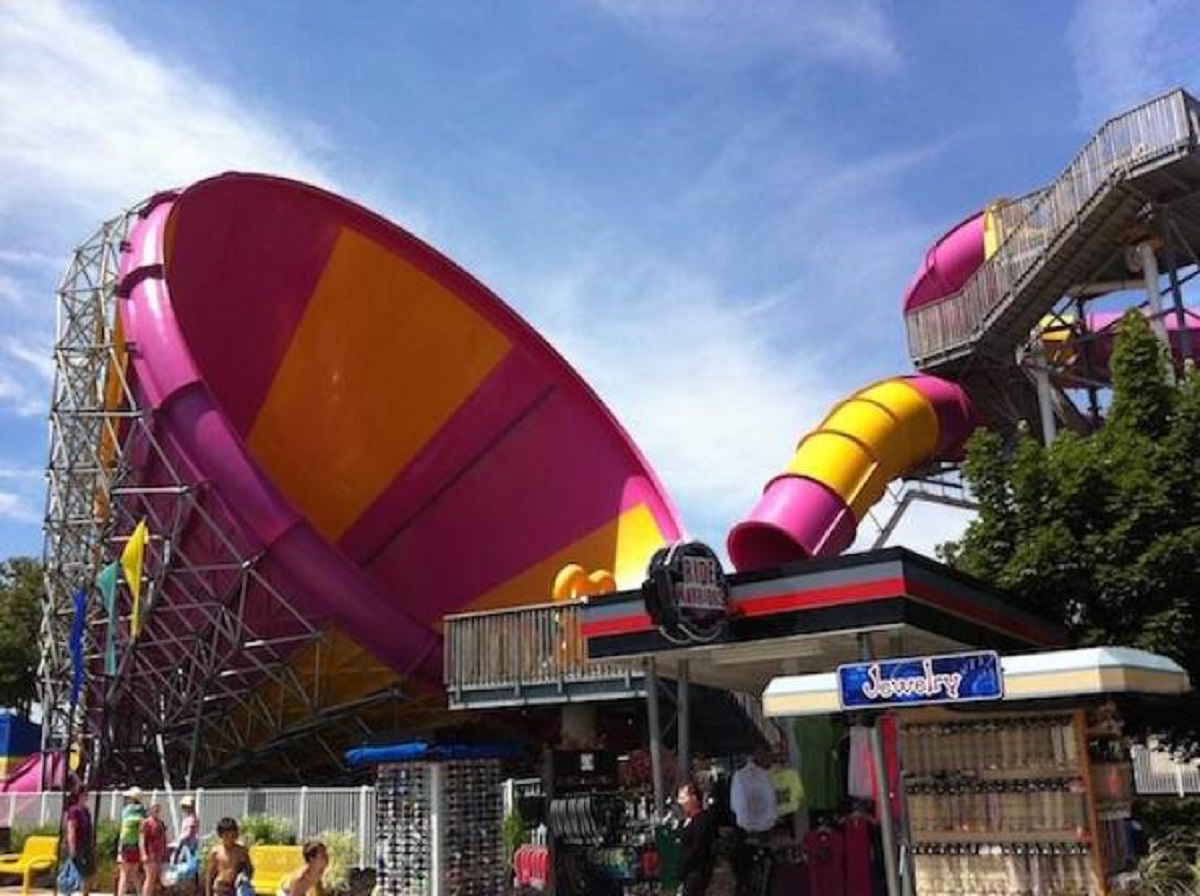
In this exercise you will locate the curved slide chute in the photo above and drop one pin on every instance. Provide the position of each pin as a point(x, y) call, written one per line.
point(882, 432)
point(842, 468)
point(389, 439)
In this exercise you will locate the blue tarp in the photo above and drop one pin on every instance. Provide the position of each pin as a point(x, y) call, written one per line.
point(18, 735)
point(422, 751)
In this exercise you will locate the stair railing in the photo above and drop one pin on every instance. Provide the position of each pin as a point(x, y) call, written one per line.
point(1155, 129)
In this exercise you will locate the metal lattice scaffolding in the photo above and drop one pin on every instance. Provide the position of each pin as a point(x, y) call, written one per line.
point(200, 662)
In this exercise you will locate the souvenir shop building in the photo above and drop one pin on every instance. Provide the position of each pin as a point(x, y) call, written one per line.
point(999, 747)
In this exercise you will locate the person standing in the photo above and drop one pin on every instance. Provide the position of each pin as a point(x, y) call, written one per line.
point(189, 826)
point(129, 842)
point(306, 880)
point(227, 861)
point(696, 840)
point(152, 843)
point(80, 845)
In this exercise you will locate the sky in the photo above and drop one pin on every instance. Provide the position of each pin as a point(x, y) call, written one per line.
point(711, 209)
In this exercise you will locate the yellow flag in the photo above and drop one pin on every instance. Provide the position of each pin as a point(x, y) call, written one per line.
point(131, 562)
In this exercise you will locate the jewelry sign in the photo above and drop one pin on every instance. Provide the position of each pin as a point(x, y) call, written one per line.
point(921, 681)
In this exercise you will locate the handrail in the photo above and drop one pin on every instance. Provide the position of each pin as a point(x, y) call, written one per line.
point(1154, 129)
point(522, 647)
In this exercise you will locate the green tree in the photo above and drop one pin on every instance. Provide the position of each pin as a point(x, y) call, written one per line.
point(1102, 533)
point(21, 591)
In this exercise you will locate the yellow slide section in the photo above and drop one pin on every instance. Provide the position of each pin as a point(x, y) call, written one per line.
point(337, 426)
point(866, 441)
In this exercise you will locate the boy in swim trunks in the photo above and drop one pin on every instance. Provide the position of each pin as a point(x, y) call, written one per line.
point(226, 861)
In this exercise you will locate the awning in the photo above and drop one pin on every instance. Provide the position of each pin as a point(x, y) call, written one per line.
point(1086, 672)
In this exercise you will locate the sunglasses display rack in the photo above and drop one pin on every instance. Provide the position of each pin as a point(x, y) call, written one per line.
point(603, 837)
point(438, 828)
point(1001, 804)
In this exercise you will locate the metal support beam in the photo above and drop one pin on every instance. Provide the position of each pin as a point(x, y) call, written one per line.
point(1149, 261)
point(108, 468)
point(906, 500)
point(891, 857)
point(683, 733)
point(654, 723)
point(1045, 395)
point(1181, 321)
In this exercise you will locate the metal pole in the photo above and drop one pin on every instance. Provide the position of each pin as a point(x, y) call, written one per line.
point(1045, 395)
point(684, 724)
point(1089, 364)
point(1185, 334)
point(1153, 296)
point(654, 724)
point(891, 866)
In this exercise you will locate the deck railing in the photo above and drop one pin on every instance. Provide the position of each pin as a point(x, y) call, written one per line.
point(1158, 128)
point(521, 648)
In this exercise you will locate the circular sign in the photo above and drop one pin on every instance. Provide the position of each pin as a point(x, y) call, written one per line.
point(686, 593)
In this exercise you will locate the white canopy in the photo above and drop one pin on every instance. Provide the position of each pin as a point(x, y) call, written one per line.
point(1087, 672)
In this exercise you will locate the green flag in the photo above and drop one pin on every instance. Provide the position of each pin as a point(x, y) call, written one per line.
point(107, 583)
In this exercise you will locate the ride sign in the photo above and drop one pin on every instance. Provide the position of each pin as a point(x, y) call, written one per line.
point(921, 681)
point(685, 592)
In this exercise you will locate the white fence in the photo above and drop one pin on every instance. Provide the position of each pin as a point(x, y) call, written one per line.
point(311, 810)
point(1157, 772)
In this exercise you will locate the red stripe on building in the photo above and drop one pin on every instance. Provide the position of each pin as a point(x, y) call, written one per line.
point(618, 625)
point(858, 592)
point(982, 614)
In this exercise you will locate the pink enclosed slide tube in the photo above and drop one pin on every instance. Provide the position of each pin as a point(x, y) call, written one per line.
point(842, 468)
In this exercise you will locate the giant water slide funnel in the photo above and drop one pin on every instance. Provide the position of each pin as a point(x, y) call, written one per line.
point(841, 469)
point(388, 437)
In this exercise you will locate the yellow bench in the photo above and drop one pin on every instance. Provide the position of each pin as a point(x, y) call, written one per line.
point(272, 864)
point(38, 854)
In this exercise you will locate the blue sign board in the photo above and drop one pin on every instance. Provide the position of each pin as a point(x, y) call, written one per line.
point(921, 681)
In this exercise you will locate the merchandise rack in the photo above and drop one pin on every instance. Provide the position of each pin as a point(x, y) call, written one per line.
point(439, 828)
point(1010, 803)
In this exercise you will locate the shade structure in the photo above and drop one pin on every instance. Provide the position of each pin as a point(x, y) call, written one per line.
point(385, 436)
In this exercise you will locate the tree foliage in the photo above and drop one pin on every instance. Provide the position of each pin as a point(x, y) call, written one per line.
point(20, 619)
point(1102, 533)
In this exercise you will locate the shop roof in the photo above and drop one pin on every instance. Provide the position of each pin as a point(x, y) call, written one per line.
point(808, 617)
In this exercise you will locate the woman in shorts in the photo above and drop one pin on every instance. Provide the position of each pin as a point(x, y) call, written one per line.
point(129, 842)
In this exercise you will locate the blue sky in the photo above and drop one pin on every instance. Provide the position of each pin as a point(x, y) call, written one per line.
point(710, 208)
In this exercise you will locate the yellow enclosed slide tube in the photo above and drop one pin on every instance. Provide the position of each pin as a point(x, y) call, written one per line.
point(842, 468)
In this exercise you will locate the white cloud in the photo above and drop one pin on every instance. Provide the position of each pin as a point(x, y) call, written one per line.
point(37, 357)
point(855, 32)
point(20, 473)
point(10, 291)
point(89, 119)
point(21, 397)
point(1126, 51)
point(15, 508)
point(29, 258)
